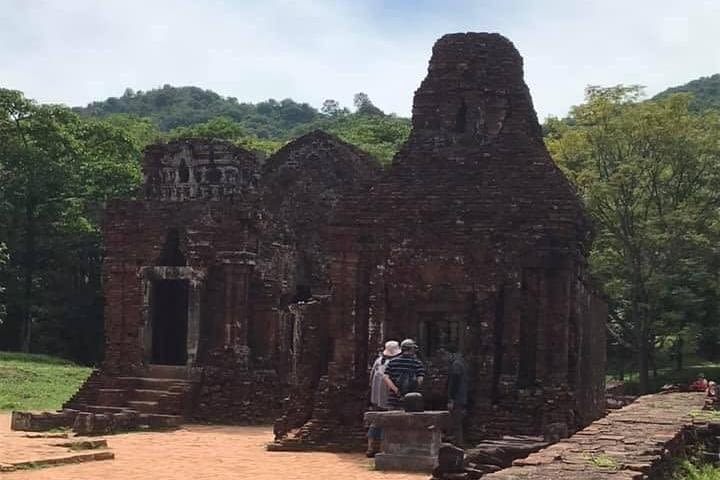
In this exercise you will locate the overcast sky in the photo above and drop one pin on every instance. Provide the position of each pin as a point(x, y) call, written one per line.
point(76, 51)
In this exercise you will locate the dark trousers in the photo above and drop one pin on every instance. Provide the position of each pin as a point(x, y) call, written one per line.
point(457, 415)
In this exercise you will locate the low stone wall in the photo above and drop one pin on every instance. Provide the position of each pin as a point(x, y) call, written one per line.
point(630, 443)
point(42, 422)
point(90, 423)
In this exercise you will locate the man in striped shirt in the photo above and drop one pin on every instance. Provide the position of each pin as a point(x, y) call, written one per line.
point(404, 374)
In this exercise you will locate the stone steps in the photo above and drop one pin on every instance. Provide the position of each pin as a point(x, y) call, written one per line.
point(152, 394)
point(108, 404)
point(160, 420)
point(114, 397)
point(177, 372)
point(153, 383)
point(104, 409)
point(144, 406)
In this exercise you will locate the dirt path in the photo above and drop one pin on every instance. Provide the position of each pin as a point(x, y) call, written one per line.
point(208, 453)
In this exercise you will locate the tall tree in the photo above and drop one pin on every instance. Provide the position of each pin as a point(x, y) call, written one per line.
point(364, 105)
point(330, 107)
point(650, 175)
point(57, 171)
point(3, 262)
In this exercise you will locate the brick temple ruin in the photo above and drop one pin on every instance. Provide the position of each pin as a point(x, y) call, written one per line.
point(246, 293)
point(473, 238)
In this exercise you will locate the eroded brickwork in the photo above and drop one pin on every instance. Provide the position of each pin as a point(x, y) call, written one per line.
point(273, 286)
point(635, 442)
point(210, 268)
point(472, 238)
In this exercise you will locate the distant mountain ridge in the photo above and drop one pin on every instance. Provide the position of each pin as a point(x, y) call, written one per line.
point(705, 90)
point(189, 110)
point(170, 107)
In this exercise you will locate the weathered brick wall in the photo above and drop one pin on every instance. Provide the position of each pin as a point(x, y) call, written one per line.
point(473, 230)
point(638, 441)
point(473, 226)
point(247, 242)
point(135, 234)
point(232, 392)
point(301, 184)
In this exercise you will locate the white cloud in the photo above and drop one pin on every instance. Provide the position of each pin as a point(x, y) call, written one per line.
point(76, 51)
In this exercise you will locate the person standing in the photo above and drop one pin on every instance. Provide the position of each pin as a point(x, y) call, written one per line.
point(404, 374)
point(379, 392)
point(457, 394)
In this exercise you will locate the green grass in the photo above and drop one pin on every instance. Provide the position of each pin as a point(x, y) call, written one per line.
point(693, 470)
point(706, 415)
point(37, 382)
point(666, 373)
point(603, 461)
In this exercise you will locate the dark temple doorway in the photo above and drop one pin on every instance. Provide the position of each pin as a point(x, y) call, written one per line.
point(170, 322)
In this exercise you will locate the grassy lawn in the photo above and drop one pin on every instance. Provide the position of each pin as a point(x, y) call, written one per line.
point(37, 382)
point(667, 374)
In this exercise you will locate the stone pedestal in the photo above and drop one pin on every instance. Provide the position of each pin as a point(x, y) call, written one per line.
point(411, 440)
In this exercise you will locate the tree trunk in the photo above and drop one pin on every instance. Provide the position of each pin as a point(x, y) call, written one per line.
point(653, 363)
point(29, 272)
point(640, 320)
point(642, 341)
point(678, 353)
point(643, 368)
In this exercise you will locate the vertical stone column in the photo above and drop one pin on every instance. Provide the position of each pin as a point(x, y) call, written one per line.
point(237, 267)
point(193, 331)
point(377, 310)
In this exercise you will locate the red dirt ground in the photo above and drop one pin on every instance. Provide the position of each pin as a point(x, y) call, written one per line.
point(207, 453)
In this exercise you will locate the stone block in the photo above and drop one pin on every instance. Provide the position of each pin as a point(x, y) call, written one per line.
point(411, 440)
point(409, 463)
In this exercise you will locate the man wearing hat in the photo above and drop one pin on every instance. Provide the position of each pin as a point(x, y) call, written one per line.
point(379, 392)
point(404, 374)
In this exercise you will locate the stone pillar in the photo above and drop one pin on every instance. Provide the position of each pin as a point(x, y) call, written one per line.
point(237, 267)
point(193, 331)
point(376, 313)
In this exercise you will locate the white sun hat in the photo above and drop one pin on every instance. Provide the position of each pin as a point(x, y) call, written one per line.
point(392, 348)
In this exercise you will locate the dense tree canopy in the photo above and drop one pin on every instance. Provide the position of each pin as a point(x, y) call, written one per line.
point(170, 107)
point(58, 170)
point(225, 128)
point(175, 112)
point(649, 173)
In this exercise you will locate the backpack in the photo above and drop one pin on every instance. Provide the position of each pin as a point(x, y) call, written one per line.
point(407, 382)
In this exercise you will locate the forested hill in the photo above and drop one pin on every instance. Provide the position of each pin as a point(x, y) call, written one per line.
point(705, 90)
point(170, 107)
point(264, 126)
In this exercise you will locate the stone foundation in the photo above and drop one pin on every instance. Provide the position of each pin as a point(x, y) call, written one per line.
point(634, 442)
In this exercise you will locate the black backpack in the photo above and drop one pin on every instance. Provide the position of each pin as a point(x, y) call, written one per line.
point(407, 382)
